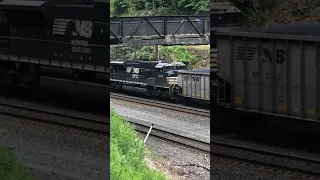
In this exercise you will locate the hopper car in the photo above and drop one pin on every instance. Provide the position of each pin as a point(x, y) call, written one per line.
point(268, 73)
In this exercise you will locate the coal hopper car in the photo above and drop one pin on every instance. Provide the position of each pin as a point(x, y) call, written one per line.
point(271, 73)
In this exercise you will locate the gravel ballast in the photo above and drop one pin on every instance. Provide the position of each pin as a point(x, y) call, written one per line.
point(178, 161)
point(188, 125)
point(56, 153)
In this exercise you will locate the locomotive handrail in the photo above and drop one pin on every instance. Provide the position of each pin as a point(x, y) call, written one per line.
point(50, 41)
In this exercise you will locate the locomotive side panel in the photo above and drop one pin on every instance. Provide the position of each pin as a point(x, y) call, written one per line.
point(52, 35)
point(85, 37)
point(271, 75)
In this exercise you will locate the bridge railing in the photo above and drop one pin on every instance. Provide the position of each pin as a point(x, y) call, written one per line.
point(158, 27)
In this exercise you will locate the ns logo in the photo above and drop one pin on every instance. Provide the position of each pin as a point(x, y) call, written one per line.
point(280, 56)
point(266, 53)
point(193, 78)
point(82, 28)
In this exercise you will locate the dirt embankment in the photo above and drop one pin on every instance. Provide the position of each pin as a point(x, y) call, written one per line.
point(202, 54)
point(295, 10)
point(262, 13)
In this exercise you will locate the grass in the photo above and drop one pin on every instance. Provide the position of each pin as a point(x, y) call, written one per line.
point(10, 168)
point(127, 152)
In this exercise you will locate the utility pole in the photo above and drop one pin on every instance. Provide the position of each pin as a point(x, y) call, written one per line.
point(156, 49)
point(135, 53)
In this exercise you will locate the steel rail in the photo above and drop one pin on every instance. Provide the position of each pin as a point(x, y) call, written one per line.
point(175, 107)
point(173, 137)
point(273, 160)
point(45, 116)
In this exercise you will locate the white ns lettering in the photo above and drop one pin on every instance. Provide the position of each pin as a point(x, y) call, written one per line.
point(83, 28)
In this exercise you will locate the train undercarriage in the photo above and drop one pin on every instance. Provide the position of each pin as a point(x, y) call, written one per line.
point(173, 92)
point(28, 75)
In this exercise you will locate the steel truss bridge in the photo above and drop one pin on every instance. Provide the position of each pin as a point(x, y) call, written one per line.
point(160, 30)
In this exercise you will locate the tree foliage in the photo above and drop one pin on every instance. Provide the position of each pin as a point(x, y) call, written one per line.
point(158, 7)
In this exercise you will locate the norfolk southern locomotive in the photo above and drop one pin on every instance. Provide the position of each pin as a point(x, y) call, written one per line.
point(157, 78)
point(161, 79)
point(63, 39)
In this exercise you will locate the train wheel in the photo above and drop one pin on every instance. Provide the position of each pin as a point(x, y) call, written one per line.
point(35, 81)
point(179, 99)
point(149, 92)
point(118, 86)
point(186, 101)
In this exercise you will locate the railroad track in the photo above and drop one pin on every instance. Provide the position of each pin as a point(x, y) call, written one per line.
point(95, 125)
point(172, 137)
point(296, 165)
point(293, 165)
point(90, 124)
point(164, 105)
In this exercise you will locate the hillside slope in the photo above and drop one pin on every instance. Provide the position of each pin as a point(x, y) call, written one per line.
point(259, 13)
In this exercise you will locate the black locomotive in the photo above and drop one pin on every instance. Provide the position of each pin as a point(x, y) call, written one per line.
point(158, 78)
point(64, 39)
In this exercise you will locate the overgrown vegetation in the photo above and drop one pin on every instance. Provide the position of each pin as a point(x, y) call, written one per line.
point(158, 7)
point(259, 13)
point(127, 152)
point(10, 168)
point(192, 56)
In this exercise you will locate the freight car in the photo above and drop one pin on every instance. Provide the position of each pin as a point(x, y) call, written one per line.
point(63, 39)
point(161, 79)
point(193, 85)
point(272, 73)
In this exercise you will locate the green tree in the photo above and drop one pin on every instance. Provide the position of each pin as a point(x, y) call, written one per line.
point(158, 7)
point(199, 6)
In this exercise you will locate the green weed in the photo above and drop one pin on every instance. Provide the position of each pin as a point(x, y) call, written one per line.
point(127, 152)
point(10, 168)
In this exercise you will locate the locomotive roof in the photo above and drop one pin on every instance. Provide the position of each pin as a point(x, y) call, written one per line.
point(117, 62)
point(160, 65)
point(133, 61)
point(128, 62)
point(157, 63)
